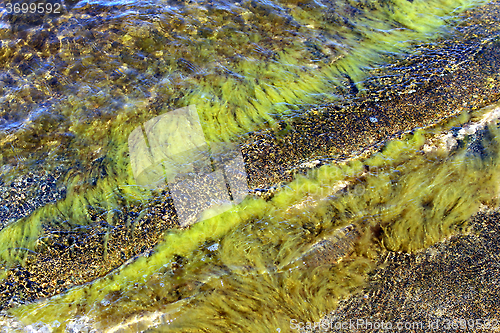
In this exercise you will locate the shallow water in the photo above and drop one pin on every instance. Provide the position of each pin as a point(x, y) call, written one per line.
point(74, 86)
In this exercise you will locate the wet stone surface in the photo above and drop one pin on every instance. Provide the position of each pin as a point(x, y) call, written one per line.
point(21, 197)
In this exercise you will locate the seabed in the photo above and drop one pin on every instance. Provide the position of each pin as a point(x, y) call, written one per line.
point(370, 138)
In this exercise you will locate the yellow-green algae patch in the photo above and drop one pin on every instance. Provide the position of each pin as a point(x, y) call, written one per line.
point(415, 198)
point(105, 191)
point(251, 92)
point(283, 84)
point(271, 75)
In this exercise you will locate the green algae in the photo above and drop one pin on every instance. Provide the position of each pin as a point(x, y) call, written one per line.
point(416, 198)
point(288, 82)
point(396, 221)
point(251, 93)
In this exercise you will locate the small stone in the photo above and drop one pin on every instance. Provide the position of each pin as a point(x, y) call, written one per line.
point(213, 247)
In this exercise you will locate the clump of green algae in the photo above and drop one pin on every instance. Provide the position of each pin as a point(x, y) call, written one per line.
point(416, 219)
point(417, 198)
point(248, 94)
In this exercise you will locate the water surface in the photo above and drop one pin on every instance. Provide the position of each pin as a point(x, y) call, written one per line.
point(74, 86)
